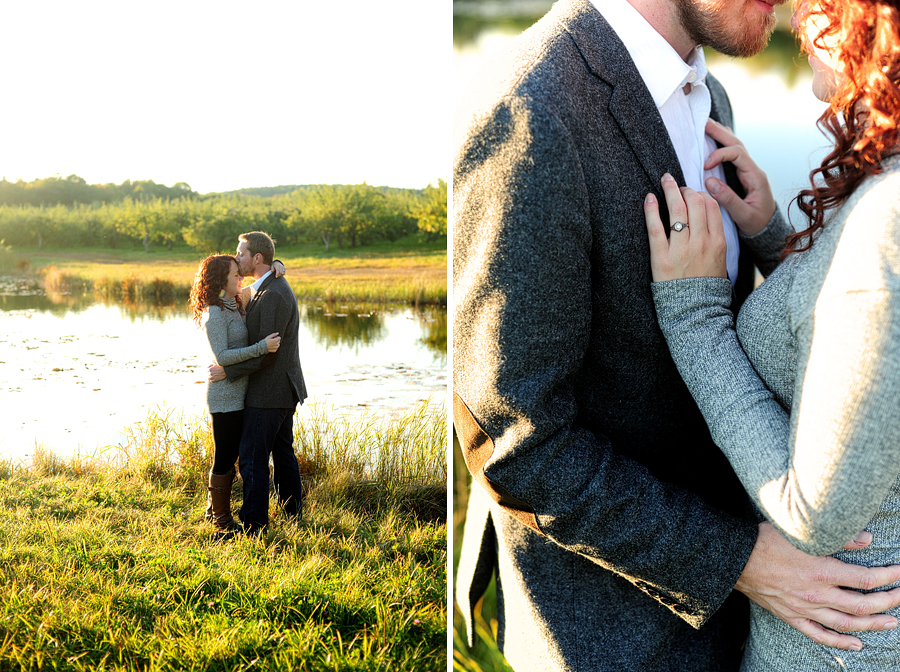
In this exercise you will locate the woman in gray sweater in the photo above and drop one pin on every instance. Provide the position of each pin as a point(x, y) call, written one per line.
point(217, 307)
point(802, 394)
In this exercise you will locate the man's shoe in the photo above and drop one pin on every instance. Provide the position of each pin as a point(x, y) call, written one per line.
point(224, 537)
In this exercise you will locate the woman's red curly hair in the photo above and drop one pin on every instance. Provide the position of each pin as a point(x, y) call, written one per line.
point(863, 113)
point(210, 281)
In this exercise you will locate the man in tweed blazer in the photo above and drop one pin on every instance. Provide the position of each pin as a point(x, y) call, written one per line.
point(276, 387)
point(615, 527)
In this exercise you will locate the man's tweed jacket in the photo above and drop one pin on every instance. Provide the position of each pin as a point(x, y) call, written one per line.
point(615, 526)
point(277, 379)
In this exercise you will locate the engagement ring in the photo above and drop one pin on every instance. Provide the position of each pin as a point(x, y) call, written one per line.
point(679, 226)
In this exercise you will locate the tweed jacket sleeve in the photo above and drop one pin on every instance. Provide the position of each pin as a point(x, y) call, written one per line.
point(819, 460)
point(216, 327)
point(522, 270)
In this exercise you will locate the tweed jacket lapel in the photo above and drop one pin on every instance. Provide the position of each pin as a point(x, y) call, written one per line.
point(630, 103)
point(633, 109)
point(259, 293)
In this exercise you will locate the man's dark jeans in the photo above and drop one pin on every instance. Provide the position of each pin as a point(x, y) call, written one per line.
point(268, 430)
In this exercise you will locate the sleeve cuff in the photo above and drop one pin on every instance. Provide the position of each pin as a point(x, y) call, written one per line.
point(769, 243)
point(673, 298)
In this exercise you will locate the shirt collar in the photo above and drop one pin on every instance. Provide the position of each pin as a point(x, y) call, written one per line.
point(658, 64)
point(254, 288)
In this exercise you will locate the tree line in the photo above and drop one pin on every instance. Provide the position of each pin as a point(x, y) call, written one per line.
point(56, 212)
point(73, 190)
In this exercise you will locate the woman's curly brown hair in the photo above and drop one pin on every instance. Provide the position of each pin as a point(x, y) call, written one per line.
point(863, 113)
point(209, 283)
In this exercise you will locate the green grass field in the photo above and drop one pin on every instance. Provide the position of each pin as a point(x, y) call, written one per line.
point(106, 562)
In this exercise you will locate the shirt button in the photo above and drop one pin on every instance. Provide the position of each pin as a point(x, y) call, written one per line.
point(692, 77)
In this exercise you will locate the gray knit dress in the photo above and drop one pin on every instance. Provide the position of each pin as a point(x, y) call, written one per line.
point(227, 336)
point(803, 397)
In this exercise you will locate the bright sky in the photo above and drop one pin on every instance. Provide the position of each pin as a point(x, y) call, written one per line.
point(224, 95)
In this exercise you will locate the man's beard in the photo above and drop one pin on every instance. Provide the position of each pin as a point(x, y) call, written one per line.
point(710, 29)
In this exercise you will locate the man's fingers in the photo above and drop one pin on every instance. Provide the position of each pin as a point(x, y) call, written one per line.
point(842, 622)
point(823, 636)
point(865, 578)
point(864, 604)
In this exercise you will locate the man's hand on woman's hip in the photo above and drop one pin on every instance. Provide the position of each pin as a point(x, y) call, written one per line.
point(814, 595)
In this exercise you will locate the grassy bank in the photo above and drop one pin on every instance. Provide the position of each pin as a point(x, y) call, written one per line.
point(410, 273)
point(107, 564)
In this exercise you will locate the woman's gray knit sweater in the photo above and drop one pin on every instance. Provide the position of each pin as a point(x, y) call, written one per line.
point(804, 400)
point(228, 341)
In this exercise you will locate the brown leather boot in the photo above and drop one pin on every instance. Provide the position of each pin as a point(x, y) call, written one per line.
point(209, 509)
point(218, 502)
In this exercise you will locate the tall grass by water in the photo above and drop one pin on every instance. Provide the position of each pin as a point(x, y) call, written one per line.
point(131, 287)
point(396, 274)
point(107, 564)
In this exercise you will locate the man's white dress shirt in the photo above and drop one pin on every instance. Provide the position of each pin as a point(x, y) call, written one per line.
point(665, 73)
point(254, 288)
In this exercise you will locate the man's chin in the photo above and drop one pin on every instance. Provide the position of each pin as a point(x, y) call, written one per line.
point(751, 43)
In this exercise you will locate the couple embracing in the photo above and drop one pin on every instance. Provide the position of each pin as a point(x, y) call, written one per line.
point(255, 383)
point(651, 443)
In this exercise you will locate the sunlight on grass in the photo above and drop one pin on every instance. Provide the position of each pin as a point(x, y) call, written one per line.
point(106, 562)
point(382, 274)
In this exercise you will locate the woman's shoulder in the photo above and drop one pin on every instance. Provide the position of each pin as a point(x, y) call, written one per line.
point(212, 314)
point(873, 212)
point(878, 193)
point(863, 243)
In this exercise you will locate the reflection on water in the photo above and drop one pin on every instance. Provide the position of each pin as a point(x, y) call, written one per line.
point(332, 326)
point(358, 326)
point(343, 326)
point(77, 372)
point(434, 324)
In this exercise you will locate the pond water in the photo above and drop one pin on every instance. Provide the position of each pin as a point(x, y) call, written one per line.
point(774, 108)
point(76, 373)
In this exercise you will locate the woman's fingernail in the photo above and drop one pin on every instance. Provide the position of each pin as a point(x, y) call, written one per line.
point(890, 626)
point(650, 199)
point(713, 185)
point(856, 647)
point(666, 177)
